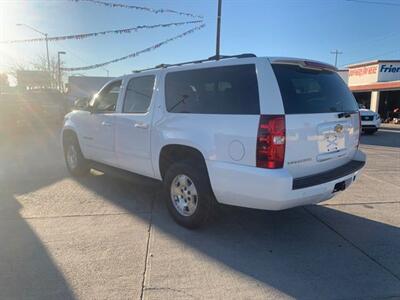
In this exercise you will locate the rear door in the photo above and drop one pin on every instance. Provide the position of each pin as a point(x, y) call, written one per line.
point(321, 114)
point(133, 126)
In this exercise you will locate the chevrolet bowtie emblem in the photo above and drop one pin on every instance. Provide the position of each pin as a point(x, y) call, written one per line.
point(338, 128)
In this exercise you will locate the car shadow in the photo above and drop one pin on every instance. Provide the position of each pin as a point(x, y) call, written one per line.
point(291, 251)
point(27, 270)
point(31, 273)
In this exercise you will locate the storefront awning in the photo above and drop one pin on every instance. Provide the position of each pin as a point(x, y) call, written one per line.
point(378, 86)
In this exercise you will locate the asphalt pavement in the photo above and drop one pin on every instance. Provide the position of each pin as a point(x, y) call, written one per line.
point(102, 237)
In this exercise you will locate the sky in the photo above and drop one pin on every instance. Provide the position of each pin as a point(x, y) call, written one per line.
point(362, 30)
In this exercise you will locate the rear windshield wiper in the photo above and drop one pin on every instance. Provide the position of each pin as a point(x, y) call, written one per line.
point(345, 114)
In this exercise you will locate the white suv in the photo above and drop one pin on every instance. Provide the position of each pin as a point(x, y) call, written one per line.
point(266, 133)
point(370, 120)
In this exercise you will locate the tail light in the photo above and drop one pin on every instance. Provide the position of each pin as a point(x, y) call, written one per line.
point(271, 142)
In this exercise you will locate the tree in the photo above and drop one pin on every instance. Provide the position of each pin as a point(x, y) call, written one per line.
point(4, 84)
point(40, 64)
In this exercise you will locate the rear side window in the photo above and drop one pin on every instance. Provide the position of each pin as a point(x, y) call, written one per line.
point(138, 94)
point(220, 90)
point(306, 91)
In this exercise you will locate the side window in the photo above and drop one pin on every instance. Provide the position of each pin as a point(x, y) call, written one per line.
point(138, 94)
point(106, 100)
point(218, 90)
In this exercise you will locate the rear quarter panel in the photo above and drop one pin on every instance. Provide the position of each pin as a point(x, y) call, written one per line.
point(219, 137)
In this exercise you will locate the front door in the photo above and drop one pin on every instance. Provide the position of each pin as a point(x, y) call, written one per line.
point(101, 124)
point(133, 127)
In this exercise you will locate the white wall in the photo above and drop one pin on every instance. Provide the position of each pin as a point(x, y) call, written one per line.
point(389, 72)
point(384, 71)
point(363, 75)
point(344, 74)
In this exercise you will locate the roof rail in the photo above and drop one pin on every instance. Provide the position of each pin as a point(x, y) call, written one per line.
point(163, 66)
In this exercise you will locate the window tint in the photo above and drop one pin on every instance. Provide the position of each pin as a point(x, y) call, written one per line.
point(307, 91)
point(138, 94)
point(106, 100)
point(221, 90)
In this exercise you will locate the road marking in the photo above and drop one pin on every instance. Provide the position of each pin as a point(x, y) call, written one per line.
point(147, 256)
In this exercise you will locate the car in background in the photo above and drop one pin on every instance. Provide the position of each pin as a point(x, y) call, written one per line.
point(370, 120)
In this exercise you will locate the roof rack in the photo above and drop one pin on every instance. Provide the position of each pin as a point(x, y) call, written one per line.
point(163, 66)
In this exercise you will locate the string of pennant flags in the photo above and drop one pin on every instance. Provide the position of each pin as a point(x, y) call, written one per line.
point(94, 34)
point(141, 8)
point(137, 53)
point(121, 31)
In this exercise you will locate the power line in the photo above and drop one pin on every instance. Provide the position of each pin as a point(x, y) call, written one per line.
point(375, 2)
point(81, 58)
point(371, 57)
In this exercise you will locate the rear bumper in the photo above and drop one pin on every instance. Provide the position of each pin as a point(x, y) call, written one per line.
point(277, 189)
point(331, 175)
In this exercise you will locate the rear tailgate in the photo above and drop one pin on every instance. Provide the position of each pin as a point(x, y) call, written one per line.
point(322, 121)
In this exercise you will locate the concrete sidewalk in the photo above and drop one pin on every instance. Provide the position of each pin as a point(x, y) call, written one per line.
point(102, 237)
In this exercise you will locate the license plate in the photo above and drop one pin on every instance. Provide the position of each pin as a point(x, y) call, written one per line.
point(331, 142)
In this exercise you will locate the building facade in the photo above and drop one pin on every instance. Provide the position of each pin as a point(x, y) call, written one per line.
point(375, 84)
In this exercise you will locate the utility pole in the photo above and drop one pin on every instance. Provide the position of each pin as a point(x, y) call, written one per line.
point(47, 43)
point(218, 29)
point(47, 52)
point(336, 53)
point(60, 85)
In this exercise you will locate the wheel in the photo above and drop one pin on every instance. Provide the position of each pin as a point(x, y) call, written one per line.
point(188, 194)
point(370, 131)
point(77, 165)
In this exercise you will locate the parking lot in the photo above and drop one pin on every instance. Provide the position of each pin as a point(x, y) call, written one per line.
point(104, 237)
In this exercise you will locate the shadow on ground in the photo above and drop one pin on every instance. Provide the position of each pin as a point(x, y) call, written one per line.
point(290, 250)
point(31, 273)
point(27, 270)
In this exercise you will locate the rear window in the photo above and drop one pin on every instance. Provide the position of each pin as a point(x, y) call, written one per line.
point(306, 91)
point(220, 90)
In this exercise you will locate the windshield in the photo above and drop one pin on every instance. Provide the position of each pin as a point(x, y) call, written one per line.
point(307, 91)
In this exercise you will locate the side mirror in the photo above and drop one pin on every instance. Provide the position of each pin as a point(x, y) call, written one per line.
point(82, 104)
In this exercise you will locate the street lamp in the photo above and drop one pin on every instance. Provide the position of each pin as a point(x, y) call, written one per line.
point(46, 39)
point(60, 86)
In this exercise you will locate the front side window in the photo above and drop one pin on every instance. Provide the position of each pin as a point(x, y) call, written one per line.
point(218, 90)
point(106, 100)
point(138, 94)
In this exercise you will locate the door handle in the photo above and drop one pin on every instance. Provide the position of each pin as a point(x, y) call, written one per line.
point(105, 123)
point(141, 125)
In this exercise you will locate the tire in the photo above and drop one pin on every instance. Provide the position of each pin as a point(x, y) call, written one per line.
point(77, 165)
point(370, 131)
point(188, 194)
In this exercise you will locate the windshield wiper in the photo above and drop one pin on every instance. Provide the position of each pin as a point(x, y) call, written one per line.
point(346, 114)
